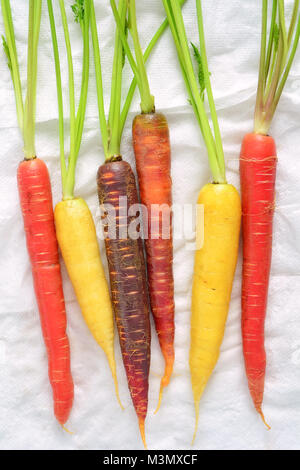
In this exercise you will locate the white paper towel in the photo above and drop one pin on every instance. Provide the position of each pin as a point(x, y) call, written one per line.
point(227, 416)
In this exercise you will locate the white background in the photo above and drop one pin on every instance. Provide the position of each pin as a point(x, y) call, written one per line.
point(227, 416)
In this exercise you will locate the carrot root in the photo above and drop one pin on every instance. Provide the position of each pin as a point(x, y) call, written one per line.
point(142, 431)
point(259, 410)
point(197, 404)
point(67, 430)
point(164, 382)
point(117, 390)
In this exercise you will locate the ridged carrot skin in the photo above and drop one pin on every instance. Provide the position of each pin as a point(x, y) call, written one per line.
point(36, 203)
point(77, 239)
point(258, 163)
point(128, 282)
point(153, 162)
point(214, 269)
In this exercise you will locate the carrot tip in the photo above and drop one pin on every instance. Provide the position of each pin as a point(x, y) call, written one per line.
point(117, 394)
point(159, 399)
point(142, 431)
point(263, 419)
point(113, 371)
point(164, 382)
point(196, 423)
point(66, 430)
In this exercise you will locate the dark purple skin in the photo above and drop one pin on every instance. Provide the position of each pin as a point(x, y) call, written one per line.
point(127, 271)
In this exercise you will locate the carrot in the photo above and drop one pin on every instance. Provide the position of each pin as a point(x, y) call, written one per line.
point(36, 205)
point(215, 262)
point(77, 239)
point(151, 145)
point(125, 255)
point(258, 172)
point(258, 161)
point(122, 179)
point(152, 153)
point(116, 184)
point(75, 227)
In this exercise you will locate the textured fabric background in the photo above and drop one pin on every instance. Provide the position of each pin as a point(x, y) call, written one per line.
point(227, 417)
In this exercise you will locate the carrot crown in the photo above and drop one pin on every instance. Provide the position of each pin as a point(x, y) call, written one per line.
point(81, 12)
point(112, 128)
point(25, 110)
point(211, 135)
point(278, 49)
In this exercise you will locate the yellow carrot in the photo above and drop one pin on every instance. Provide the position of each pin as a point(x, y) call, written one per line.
point(215, 262)
point(214, 270)
point(77, 239)
point(76, 233)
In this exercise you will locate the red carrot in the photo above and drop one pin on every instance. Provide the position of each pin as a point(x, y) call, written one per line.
point(258, 172)
point(258, 163)
point(153, 160)
point(128, 282)
point(36, 203)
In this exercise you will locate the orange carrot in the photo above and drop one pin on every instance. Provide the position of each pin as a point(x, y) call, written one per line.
point(36, 203)
point(153, 161)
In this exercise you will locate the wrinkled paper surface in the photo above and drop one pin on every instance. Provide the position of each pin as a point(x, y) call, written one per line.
point(227, 417)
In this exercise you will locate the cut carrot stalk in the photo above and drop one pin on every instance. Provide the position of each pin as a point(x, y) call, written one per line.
point(36, 204)
point(258, 162)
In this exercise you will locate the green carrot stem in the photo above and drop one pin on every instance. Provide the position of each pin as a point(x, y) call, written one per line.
point(99, 81)
point(59, 93)
point(172, 24)
point(116, 87)
point(271, 45)
point(275, 65)
point(285, 75)
point(283, 34)
point(262, 65)
point(85, 78)
point(25, 112)
point(293, 23)
point(10, 49)
point(71, 79)
point(35, 8)
point(147, 100)
point(147, 53)
point(269, 95)
point(175, 19)
point(125, 45)
point(114, 78)
point(105, 129)
point(76, 120)
point(214, 117)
